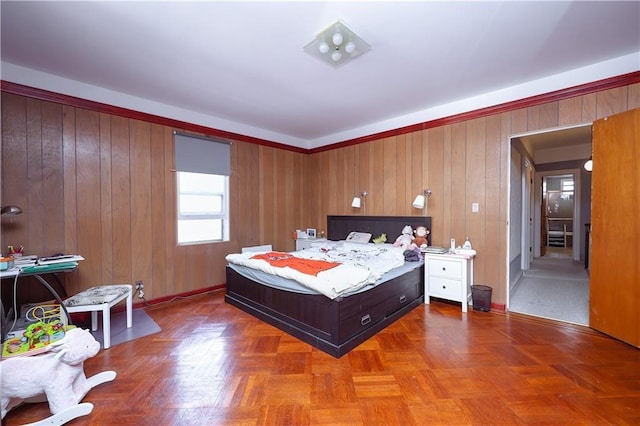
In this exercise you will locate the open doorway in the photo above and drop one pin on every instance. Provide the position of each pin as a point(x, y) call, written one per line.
point(558, 199)
point(546, 213)
point(558, 204)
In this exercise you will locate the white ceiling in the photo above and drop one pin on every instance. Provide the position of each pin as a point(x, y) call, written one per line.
point(239, 66)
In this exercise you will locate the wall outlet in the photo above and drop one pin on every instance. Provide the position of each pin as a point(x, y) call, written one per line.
point(139, 287)
point(475, 208)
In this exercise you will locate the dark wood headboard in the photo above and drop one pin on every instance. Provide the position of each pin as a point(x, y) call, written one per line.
point(338, 227)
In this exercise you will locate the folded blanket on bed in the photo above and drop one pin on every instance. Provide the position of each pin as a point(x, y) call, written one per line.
point(353, 265)
point(306, 266)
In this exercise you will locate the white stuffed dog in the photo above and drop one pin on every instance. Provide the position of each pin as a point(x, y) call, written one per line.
point(58, 373)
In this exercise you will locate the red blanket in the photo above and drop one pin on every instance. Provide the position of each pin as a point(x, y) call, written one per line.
point(306, 266)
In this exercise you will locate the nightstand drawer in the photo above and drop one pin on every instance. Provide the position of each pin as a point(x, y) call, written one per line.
point(445, 269)
point(445, 288)
point(306, 243)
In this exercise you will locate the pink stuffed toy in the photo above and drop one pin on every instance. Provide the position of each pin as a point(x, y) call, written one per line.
point(405, 239)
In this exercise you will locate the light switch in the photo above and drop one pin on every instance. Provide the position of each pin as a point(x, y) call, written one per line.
point(474, 207)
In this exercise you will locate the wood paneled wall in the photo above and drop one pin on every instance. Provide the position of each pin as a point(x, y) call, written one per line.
point(461, 163)
point(101, 185)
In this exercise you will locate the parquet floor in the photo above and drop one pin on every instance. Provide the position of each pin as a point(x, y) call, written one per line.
point(215, 365)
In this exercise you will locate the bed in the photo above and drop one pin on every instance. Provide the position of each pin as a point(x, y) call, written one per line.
point(338, 325)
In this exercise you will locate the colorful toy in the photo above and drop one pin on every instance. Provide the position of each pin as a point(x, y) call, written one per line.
point(46, 328)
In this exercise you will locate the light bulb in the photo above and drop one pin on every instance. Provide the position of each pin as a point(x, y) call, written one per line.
point(337, 39)
point(336, 56)
point(350, 47)
point(323, 47)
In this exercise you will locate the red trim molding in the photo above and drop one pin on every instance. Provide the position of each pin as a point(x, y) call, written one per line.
point(499, 306)
point(605, 84)
point(171, 298)
point(584, 89)
point(45, 95)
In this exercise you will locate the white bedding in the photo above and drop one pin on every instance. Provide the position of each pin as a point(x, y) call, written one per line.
point(359, 265)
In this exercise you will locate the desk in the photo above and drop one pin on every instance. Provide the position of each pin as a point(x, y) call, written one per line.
point(39, 271)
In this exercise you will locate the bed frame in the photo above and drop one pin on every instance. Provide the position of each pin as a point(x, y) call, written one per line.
point(336, 326)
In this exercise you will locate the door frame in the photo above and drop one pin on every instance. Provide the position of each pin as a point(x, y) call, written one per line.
point(538, 219)
point(534, 232)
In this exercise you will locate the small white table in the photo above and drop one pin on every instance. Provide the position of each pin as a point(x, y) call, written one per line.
point(101, 299)
point(305, 243)
point(448, 276)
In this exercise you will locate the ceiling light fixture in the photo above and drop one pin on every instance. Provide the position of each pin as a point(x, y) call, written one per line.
point(337, 45)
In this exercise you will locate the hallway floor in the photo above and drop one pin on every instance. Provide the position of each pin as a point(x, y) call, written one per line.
point(555, 287)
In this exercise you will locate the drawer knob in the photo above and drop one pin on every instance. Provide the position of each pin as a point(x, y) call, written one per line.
point(444, 269)
point(444, 286)
point(365, 319)
point(403, 298)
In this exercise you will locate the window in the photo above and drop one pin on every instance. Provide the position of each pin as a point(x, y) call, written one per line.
point(203, 168)
point(202, 207)
point(566, 186)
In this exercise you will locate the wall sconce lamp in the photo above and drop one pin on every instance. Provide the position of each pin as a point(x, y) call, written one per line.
point(422, 199)
point(357, 200)
point(588, 165)
point(10, 211)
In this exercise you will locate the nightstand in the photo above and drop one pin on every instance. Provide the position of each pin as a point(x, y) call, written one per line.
point(448, 276)
point(305, 243)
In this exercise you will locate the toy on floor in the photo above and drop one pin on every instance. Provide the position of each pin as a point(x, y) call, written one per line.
point(56, 376)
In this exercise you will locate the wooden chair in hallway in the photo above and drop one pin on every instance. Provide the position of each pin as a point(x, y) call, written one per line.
point(557, 230)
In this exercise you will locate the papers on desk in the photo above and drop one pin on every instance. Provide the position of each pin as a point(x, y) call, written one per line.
point(44, 264)
point(25, 260)
point(52, 260)
point(35, 265)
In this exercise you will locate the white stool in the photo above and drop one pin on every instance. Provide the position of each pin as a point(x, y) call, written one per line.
point(102, 298)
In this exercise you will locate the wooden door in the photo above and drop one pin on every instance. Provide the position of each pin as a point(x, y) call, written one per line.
point(614, 306)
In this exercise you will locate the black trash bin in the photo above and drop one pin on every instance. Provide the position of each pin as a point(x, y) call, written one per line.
point(481, 297)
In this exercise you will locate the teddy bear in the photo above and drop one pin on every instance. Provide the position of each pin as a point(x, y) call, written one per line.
point(405, 239)
point(420, 239)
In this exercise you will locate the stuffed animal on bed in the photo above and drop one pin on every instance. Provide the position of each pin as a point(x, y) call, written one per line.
point(405, 239)
point(381, 239)
point(420, 240)
point(58, 373)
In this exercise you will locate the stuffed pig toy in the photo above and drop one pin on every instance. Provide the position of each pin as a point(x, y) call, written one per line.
point(58, 373)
